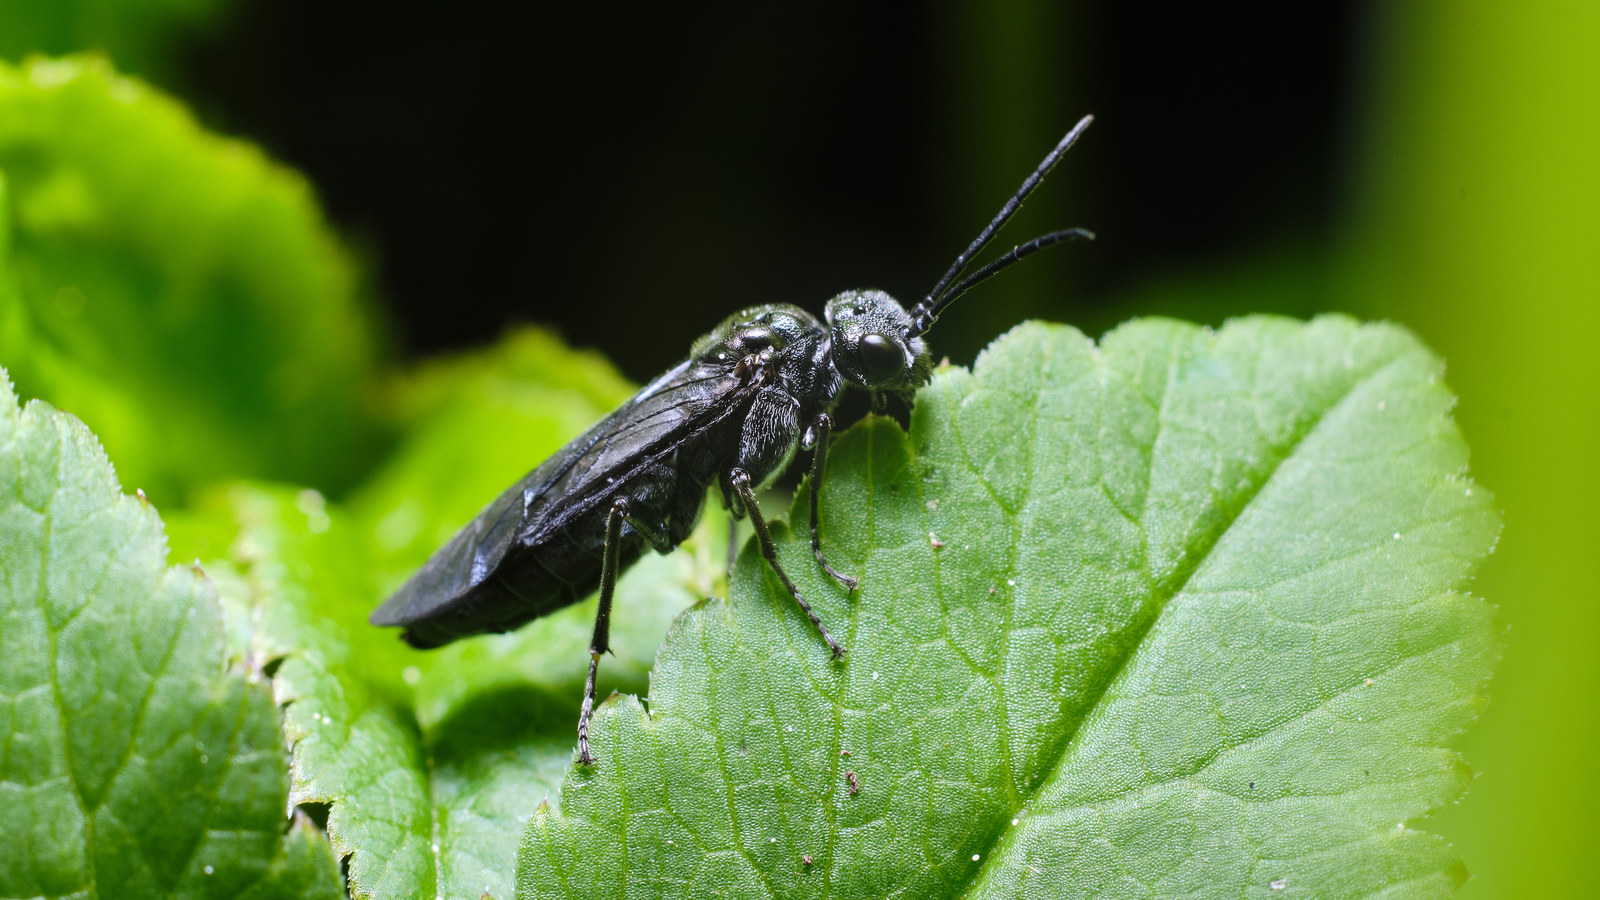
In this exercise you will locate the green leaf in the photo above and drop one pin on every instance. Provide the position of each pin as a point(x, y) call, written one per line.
point(132, 762)
point(176, 290)
point(1179, 614)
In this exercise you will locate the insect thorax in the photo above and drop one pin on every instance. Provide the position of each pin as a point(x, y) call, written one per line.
point(787, 342)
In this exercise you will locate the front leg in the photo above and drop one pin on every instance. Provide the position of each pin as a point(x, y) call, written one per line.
point(816, 440)
point(739, 479)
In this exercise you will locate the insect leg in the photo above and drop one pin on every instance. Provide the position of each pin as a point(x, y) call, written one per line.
point(601, 641)
point(740, 479)
point(653, 534)
point(818, 434)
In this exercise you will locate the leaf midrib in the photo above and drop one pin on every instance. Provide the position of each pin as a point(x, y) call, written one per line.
point(1160, 598)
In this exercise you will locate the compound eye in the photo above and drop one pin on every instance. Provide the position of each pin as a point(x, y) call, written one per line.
point(882, 361)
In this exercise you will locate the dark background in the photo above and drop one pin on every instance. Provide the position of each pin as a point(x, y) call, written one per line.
point(632, 176)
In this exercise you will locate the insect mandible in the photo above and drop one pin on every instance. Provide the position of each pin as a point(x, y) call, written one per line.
point(757, 388)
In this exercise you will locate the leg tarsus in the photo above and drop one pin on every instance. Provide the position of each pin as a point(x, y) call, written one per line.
point(585, 756)
point(740, 480)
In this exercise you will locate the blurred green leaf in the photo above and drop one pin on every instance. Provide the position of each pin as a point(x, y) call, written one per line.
point(472, 424)
point(1175, 615)
point(132, 763)
point(141, 35)
point(1476, 220)
point(174, 289)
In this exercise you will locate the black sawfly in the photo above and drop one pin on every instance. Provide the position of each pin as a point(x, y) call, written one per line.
point(755, 389)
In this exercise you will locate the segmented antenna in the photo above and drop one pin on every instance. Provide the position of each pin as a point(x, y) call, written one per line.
point(924, 314)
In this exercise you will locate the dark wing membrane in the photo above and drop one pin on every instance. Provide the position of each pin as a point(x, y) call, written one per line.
point(663, 413)
point(680, 404)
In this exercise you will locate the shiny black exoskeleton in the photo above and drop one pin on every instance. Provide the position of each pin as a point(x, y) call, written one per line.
point(752, 391)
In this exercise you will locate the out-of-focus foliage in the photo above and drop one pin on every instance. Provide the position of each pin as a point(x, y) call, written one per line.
point(472, 424)
point(1478, 224)
point(140, 35)
point(176, 290)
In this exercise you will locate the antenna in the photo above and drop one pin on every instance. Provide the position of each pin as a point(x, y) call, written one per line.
point(924, 314)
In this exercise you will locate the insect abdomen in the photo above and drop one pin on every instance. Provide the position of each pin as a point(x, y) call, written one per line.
point(496, 582)
point(526, 585)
